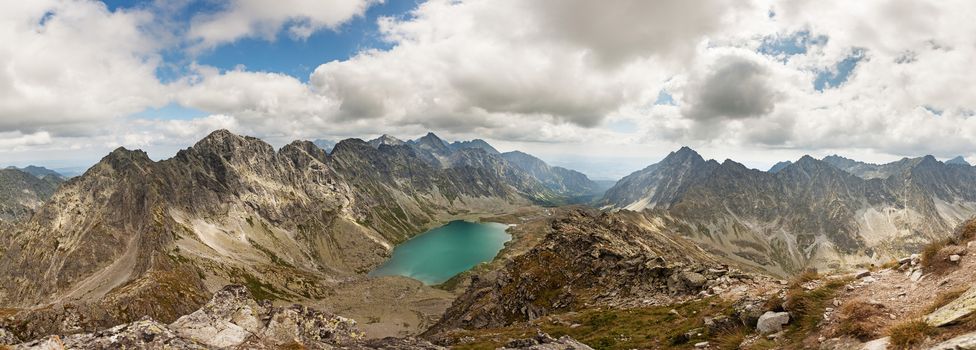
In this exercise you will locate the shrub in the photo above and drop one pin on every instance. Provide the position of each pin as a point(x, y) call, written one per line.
point(909, 334)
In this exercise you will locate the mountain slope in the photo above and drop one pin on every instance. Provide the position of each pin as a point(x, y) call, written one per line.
point(821, 213)
point(558, 179)
point(21, 193)
point(38, 171)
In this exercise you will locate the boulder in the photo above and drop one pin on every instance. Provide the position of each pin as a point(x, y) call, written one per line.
point(862, 274)
point(951, 313)
point(954, 258)
point(772, 322)
point(693, 280)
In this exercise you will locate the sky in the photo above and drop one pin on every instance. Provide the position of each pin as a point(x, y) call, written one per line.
point(604, 87)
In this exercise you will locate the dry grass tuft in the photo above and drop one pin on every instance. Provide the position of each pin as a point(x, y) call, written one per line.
point(965, 232)
point(860, 319)
point(909, 334)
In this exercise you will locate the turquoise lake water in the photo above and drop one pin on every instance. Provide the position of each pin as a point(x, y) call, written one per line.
point(441, 253)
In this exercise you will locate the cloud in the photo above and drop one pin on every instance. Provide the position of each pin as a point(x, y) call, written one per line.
point(623, 30)
point(742, 74)
point(734, 88)
point(69, 64)
point(17, 140)
point(482, 65)
point(265, 19)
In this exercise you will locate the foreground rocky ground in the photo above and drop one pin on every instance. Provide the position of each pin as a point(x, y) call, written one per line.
point(231, 320)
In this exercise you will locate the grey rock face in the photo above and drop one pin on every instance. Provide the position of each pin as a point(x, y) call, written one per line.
point(772, 322)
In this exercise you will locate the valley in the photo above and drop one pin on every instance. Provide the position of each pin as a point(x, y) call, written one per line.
point(496, 243)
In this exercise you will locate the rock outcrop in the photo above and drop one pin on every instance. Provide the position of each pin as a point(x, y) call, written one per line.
point(961, 307)
point(231, 320)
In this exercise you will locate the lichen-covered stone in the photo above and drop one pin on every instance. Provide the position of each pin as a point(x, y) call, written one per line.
point(963, 306)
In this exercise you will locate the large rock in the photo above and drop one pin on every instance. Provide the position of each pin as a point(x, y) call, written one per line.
point(962, 342)
point(693, 280)
point(772, 322)
point(877, 344)
point(963, 306)
point(230, 317)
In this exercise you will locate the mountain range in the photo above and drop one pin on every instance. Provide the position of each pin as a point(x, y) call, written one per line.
point(134, 237)
point(822, 213)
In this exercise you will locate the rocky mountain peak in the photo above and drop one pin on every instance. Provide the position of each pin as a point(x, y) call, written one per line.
point(226, 144)
point(476, 143)
point(386, 139)
point(122, 157)
point(297, 148)
point(958, 160)
point(779, 166)
point(682, 156)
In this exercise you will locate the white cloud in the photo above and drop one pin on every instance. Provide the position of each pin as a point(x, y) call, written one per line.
point(67, 64)
point(531, 73)
point(265, 19)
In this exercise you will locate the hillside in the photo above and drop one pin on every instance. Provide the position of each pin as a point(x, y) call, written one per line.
point(829, 213)
point(21, 193)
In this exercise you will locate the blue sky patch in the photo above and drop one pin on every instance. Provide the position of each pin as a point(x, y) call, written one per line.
point(783, 47)
point(297, 58)
point(836, 76)
point(665, 98)
point(169, 112)
point(933, 110)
